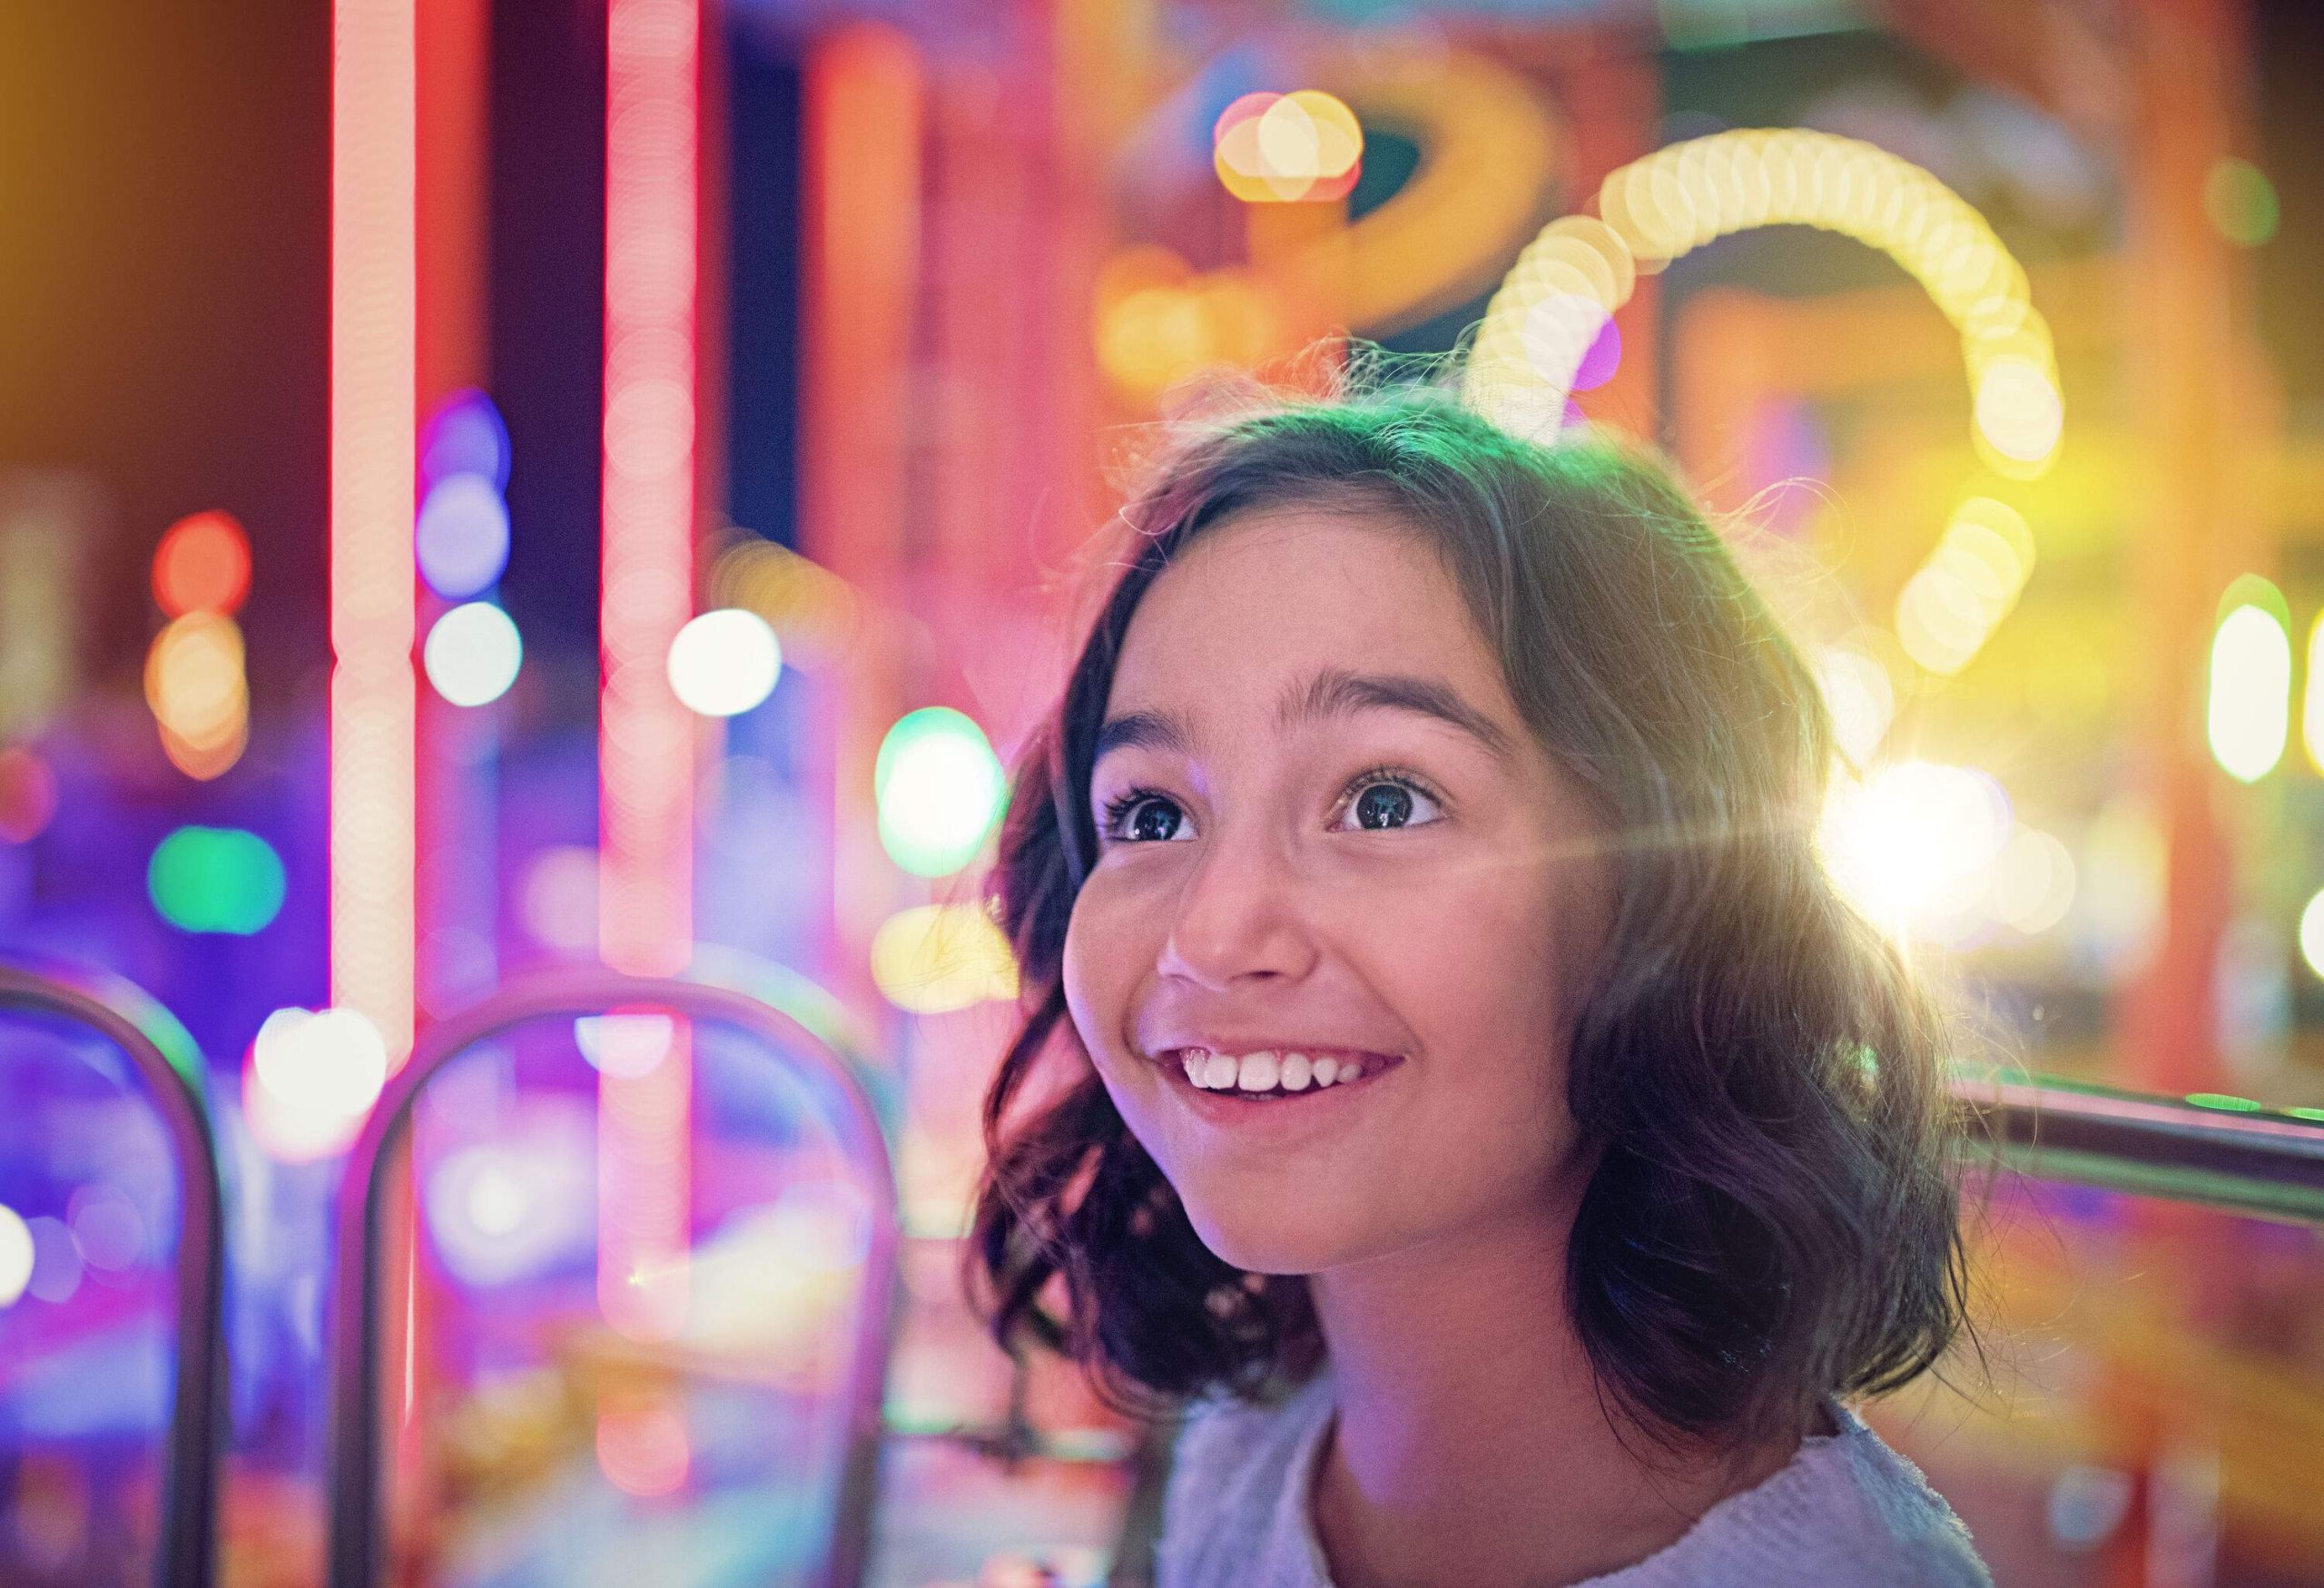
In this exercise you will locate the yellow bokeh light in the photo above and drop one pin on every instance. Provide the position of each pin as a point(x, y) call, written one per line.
point(1287, 148)
point(814, 613)
point(2311, 933)
point(936, 958)
point(2251, 693)
point(1152, 337)
point(2311, 723)
point(193, 678)
point(1954, 601)
point(2019, 412)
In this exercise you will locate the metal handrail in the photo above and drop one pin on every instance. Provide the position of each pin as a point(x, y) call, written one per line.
point(2242, 1159)
point(711, 993)
point(168, 1061)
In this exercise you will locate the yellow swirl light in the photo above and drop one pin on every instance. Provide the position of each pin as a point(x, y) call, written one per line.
point(1677, 198)
point(1967, 586)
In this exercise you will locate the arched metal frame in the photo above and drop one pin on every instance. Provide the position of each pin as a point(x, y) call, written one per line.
point(358, 1544)
point(171, 1067)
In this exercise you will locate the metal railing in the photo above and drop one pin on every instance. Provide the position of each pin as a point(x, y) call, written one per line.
point(2225, 1154)
point(2238, 1158)
point(711, 996)
point(170, 1066)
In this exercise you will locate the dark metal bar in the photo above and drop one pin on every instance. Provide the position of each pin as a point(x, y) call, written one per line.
point(171, 1067)
point(717, 991)
point(2232, 1155)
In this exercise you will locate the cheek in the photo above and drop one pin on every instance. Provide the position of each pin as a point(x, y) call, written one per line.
point(1479, 965)
point(1101, 967)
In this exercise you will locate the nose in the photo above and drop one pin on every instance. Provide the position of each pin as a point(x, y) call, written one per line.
point(1238, 917)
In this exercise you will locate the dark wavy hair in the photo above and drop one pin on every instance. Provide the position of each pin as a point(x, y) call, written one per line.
point(1771, 1218)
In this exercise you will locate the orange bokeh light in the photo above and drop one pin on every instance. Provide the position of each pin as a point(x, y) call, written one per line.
point(202, 564)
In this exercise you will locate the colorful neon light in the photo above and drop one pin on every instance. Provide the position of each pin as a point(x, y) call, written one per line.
point(373, 293)
point(645, 735)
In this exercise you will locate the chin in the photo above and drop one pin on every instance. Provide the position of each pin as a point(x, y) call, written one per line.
point(1277, 1243)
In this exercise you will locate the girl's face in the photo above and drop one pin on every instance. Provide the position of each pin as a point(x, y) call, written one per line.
point(1324, 829)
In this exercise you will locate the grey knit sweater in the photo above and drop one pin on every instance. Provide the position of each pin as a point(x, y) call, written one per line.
point(1847, 1512)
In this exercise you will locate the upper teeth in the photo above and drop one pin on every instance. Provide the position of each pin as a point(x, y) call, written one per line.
point(1266, 1070)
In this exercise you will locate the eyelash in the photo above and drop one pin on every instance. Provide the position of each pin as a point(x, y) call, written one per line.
point(1129, 800)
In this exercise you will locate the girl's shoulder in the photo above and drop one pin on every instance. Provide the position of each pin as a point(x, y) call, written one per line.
point(1848, 1510)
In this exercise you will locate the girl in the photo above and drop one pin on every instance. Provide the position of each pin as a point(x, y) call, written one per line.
point(1476, 1103)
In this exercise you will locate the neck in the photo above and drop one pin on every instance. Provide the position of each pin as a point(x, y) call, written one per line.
point(1473, 1442)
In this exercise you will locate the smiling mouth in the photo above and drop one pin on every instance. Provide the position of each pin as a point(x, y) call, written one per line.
point(1270, 1073)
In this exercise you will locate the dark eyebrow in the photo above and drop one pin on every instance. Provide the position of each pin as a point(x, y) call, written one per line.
point(1154, 729)
point(1335, 692)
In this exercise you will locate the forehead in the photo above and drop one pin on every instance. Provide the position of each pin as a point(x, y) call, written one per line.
point(1286, 591)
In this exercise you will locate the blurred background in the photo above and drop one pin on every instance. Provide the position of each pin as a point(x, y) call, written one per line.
point(488, 486)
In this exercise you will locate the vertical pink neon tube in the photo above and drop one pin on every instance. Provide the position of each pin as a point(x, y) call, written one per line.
point(373, 287)
point(645, 738)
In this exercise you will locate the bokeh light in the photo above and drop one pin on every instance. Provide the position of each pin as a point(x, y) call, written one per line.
point(474, 654)
point(2034, 882)
point(724, 662)
point(935, 958)
point(16, 1256)
point(2311, 933)
point(1952, 603)
point(626, 1043)
point(57, 1266)
point(466, 435)
point(2311, 716)
point(1304, 147)
point(202, 564)
point(503, 1211)
point(198, 693)
point(2250, 714)
point(940, 789)
point(217, 880)
point(813, 612)
point(462, 537)
point(107, 1228)
point(560, 897)
point(312, 1077)
point(2019, 411)
point(27, 796)
point(642, 1445)
point(2241, 201)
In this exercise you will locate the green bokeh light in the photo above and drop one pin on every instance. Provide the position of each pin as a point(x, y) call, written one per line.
point(216, 879)
point(940, 789)
point(2241, 202)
